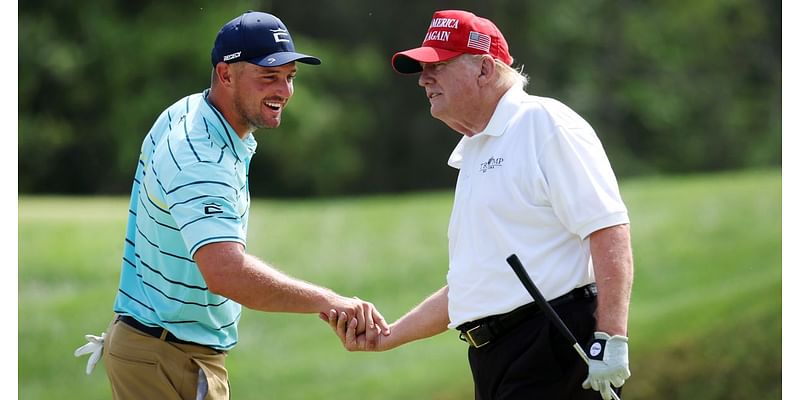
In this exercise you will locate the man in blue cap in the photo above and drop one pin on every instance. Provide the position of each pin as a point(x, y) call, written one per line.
point(185, 273)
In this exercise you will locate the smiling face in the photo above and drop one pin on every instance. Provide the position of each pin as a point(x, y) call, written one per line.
point(452, 89)
point(261, 93)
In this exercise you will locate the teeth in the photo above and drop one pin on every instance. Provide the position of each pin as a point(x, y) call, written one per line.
point(274, 105)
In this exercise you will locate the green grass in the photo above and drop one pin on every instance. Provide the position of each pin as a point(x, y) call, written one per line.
point(705, 314)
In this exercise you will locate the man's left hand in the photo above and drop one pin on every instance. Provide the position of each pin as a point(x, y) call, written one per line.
point(93, 347)
point(608, 363)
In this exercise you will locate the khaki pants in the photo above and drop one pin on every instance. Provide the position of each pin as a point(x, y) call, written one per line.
point(140, 366)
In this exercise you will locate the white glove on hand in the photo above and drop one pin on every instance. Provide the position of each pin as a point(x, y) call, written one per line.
point(608, 363)
point(95, 346)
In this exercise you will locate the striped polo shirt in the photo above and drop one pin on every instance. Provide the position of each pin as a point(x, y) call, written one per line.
point(190, 189)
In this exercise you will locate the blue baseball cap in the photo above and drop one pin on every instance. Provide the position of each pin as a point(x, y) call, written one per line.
point(258, 38)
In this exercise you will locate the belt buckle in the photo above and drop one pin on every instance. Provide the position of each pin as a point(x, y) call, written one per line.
point(471, 341)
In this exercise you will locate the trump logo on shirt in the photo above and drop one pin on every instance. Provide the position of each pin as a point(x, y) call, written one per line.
point(492, 163)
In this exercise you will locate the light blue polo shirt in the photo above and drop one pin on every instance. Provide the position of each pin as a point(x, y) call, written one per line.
point(190, 189)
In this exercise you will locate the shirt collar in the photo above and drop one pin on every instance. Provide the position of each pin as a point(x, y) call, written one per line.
point(506, 108)
point(243, 149)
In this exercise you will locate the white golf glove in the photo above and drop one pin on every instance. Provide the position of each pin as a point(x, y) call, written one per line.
point(95, 346)
point(608, 363)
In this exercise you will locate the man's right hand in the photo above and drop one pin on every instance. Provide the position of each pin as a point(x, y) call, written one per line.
point(345, 327)
point(427, 319)
point(369, 320)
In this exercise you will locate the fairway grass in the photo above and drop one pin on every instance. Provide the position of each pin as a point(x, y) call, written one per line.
point(705, 314)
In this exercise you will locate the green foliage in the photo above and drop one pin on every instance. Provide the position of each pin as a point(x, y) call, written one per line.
point(705, 315)
point(93, 79)
point(670, 86)
point(706, 309)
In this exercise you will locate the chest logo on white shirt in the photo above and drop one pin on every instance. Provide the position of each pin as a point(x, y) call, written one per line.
point(492, 163)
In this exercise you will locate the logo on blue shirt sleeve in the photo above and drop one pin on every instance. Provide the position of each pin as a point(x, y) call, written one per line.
point(212, 208)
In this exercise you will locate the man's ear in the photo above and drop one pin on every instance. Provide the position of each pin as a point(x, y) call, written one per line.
point(223, 72)
point(488, 70)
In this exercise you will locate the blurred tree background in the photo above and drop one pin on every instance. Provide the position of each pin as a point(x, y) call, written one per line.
point(670, 87)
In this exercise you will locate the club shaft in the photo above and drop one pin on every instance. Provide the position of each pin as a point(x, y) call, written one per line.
point(526, 280)
point(580, 352)
point(523, 276)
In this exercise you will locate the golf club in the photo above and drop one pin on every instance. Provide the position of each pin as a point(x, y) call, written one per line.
point(523, 276)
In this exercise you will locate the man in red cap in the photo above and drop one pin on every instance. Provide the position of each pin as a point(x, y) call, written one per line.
point(533, 180)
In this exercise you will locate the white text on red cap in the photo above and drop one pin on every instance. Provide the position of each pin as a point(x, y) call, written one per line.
point(441, 36)
point(444, 23)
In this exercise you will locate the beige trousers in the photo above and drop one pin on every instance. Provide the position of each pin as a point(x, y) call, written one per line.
point(140, 366)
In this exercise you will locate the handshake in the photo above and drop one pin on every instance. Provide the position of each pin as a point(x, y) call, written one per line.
point(359, 326)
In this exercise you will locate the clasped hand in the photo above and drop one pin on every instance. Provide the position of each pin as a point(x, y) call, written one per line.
point(360, 330)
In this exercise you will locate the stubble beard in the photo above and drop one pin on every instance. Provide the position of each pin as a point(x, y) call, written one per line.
point(254, 120)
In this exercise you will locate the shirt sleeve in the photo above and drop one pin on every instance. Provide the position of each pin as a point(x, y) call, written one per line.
point(583, 189)
point(204, 201)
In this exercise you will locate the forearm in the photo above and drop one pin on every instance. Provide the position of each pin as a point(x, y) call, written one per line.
point(613, 267)
point(427, 319)
point(232, 273)
point(265, 288)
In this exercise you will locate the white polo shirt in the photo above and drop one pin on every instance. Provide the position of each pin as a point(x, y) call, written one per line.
point(536, 182)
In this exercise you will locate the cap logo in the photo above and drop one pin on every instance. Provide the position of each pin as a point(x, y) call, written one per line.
point(451, 23)
point(442, 36)
point(232, 56)
point(277, 34)
point(479, 41)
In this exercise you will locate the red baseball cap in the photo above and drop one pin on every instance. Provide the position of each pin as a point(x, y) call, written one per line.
point(452, 33)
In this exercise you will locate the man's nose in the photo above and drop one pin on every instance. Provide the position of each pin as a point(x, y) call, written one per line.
point(285, 88)
point(425, 77)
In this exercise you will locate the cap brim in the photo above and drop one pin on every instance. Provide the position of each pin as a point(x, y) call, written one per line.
point(407, 62)
point(278, 59)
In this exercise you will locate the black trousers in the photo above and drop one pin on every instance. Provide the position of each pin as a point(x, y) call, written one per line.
point(534, 362)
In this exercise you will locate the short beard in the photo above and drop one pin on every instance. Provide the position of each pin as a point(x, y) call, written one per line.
point(252, 124)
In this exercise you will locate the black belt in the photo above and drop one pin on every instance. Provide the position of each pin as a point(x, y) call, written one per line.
point(157, 331)
point(480, 332)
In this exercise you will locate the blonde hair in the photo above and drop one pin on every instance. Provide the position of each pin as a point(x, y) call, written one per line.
point(507, 75)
